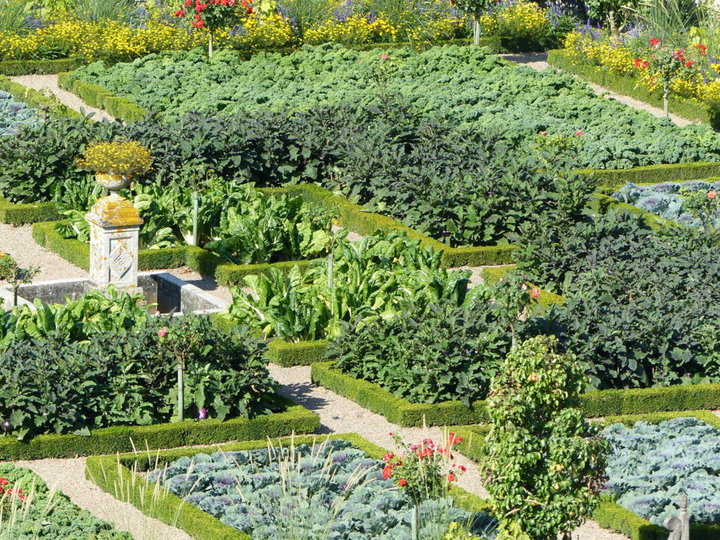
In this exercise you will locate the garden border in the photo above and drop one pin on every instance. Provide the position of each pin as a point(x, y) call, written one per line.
point(294, 419)
point(37, 100)
point(108, 472)
point(609, 514)
point(694, 110)
point(599, 403)
point(349, 215)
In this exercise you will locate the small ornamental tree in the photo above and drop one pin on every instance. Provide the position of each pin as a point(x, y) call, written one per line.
point(664, 65)
point(544, 462)
point(214, 15)
point(11, 272)
point(474, 8)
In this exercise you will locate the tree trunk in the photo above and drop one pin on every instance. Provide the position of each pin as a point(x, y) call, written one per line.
point(476, 29)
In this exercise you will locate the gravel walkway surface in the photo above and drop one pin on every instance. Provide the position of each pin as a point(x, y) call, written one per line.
point(49, 83)
point(18, 242)
point(538, 61)
point(68, 476)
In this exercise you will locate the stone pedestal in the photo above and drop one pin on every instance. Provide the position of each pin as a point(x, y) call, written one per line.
point(114, 229)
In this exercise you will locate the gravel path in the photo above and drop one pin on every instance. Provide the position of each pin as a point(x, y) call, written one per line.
point(18, 242)
point(538, 61)
point(68, 476)
point(50, 83)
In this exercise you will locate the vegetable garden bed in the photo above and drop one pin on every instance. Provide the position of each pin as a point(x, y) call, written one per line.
point(31, 509)
point(600, 403)
point(612, 515)
point(349, 215)
point(127, 470)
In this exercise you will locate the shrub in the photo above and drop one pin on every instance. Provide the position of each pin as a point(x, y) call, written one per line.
point(428, 355)
point(54, 384)
point(630, 315)
point(544, 463)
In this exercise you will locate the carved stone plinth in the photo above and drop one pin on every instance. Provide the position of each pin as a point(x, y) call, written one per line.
point(114, 229)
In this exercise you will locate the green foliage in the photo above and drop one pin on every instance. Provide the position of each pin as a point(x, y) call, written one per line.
point(483, 93)
point(102, 10)
point(46, 511)
point(13, 16)
point(629, 314)
point(14, 115)
point(544, 463)
point(375, 278)
point(671, 458)
point(325, 486)
point(437, 353)
point(59, 377)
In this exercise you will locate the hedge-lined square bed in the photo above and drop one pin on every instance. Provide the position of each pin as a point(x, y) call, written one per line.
point(331, 486)
point(32, 510)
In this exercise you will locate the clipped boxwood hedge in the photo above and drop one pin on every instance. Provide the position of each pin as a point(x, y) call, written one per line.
point(600, 403)
point(100, 98)
point(303, 353)
point(42, 67)
point(109, 472)
point(696, 110)
point(19, 214)
point(36, 100)
point(295, 419)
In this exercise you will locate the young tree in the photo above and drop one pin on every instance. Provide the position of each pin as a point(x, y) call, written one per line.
point(544, 462)
point(474, 8)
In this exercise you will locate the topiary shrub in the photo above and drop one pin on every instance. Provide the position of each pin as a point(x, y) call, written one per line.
point(544, 462)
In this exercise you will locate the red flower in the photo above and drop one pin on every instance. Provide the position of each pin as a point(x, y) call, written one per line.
point(579, 133)
point(689, 63)
point(645, 64)
point(384, 56)
point(402, 482)
point(712, 194)
point(388, 456)
point(654, 42)
point(454, 439)
point(387, 472)
point(162, 332)
point(4, 482)
point(702, 49)
point(451, 477)
point(180, 13)
point(638, 62)
point(535, 292)
point(463, 468)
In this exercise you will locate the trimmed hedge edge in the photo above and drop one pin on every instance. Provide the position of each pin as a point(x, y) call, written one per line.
point(600, 403)
point(397, 410)
point(111, 472)
point(708, 113)
point(120, 108)
point(36, 100)
point(43, 67)
point(303, 353)
point(19, 214)
point(295, 419)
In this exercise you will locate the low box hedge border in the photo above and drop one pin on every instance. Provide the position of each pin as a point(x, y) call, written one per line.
point(100, 98)
point(598, 403)
point(20, 214)
point(110, 472)
point(609, 514)
point(295, 419)
point(36, 100)
point(303, 353)
point(40, 67)
point(696, 110)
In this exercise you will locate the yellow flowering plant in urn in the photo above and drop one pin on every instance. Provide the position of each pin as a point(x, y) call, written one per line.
point(116, 163)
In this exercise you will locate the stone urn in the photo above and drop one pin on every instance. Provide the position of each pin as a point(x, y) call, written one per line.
point(112, 182)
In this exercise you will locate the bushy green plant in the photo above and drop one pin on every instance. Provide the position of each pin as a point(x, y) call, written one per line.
point(630, 315)
point(652, 465)
point(119, 368)
point(377, 277)
point(482, 93)
point(44, 511)
point(544, 462)
point(428, 355)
